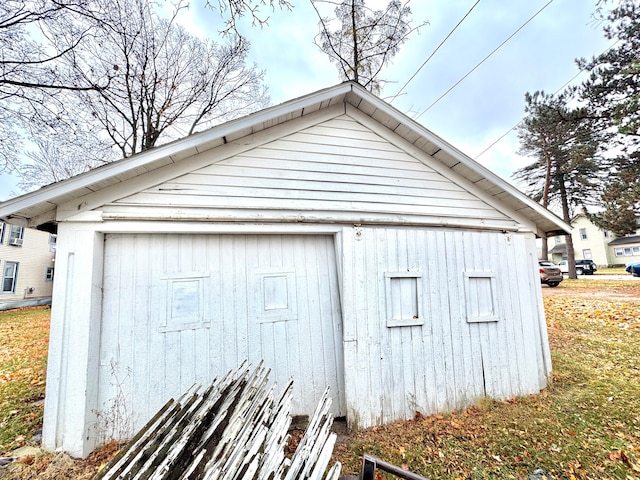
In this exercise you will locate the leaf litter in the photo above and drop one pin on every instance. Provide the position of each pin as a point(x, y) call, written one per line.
point(585, 425)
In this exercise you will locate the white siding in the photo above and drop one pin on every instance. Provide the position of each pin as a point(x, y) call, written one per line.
point(148, 359)
point(447, 362)
point(338, 165)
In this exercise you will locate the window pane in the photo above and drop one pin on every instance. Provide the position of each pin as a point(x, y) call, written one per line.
point(16, 232)
point(9, 277)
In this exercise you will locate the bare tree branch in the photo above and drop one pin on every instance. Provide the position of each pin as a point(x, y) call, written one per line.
point(366, 40)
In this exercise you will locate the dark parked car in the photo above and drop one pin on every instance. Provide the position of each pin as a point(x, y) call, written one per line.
point(549, 273)
point(583, 267)
point(634, 269)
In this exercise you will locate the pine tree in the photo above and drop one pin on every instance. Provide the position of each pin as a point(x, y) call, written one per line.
point(613, 96)
point(565, 173)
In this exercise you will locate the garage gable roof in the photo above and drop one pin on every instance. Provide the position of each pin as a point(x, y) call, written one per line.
point(39, 207)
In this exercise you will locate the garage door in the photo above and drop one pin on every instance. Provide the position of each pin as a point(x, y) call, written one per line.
point(183, 309)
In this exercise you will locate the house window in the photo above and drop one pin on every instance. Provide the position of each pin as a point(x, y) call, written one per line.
point(586, 254)
point(558, 239)
point(583, 234)
point(49, 275)
point(1, 233)
point(9, 277)
point(15, 235)
point(481, 297)
point(607, 234)
point(627, 251)
point(53, 240)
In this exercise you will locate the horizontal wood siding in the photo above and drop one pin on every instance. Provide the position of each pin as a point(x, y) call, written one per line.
point(446, 362)
point(34, 256)
point(142, 363)
point(336, 165)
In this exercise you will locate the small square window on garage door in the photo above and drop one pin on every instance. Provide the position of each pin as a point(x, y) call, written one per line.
point(275, 296)
point(185, 302)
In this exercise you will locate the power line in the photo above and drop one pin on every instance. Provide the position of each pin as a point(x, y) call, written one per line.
point(483, 60)
point(521, 120)
point(434, 52)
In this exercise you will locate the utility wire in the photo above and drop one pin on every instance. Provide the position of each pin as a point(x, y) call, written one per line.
point(483, 60)
point(434, 52)
point(521, 120)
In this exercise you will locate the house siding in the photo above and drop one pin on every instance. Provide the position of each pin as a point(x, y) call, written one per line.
point(34, 256)
point(602, 253)
point(595, 241)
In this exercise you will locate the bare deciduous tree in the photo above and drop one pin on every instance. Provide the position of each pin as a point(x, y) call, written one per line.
point(365, 40)
point(52, 158)
point(164, 83)
point(157, 82)
point(232, 10)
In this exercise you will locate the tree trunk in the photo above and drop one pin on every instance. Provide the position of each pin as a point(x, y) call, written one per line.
point(566, 216)
point(545, 193)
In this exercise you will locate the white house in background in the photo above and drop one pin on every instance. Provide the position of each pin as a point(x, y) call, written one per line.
point(26, 265)
point(592, 243)
point(330, 236)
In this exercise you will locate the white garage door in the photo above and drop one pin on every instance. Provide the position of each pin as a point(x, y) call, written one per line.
point(183, 309)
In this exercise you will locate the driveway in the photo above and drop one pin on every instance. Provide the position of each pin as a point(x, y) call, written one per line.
point(626, 276)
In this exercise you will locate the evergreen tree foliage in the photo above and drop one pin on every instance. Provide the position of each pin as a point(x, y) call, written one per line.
point(613, 95)
point(565, 170)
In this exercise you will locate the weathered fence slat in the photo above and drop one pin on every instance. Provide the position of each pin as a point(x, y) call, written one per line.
point(234, 429)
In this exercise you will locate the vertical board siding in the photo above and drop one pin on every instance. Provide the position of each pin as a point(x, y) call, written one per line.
point(143, 364)
point(337, 165)
point(446, 362)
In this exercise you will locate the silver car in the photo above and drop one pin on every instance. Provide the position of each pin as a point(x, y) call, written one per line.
point(549, 273)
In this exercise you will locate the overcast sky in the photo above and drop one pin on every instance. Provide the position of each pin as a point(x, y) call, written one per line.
point(482, 108)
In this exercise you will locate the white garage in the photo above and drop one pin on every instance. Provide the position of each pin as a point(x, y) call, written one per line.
point(331, 237)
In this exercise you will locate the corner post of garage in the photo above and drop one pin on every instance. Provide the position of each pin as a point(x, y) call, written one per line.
point(73, 363)
point(350, 251)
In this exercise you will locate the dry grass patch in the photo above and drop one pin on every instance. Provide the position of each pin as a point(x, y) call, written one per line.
point(24, 340)
point(586, 425)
